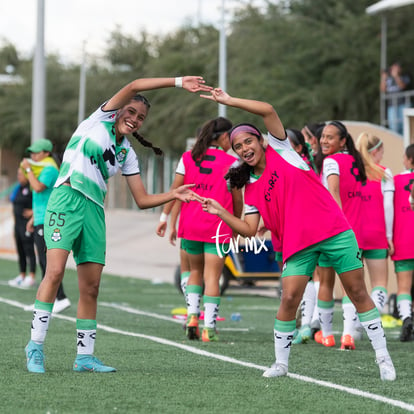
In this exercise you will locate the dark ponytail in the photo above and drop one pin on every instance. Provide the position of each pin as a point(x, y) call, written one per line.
point(158, 151)
point(350, 147)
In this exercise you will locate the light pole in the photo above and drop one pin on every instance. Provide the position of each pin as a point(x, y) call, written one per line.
point(39, 76)
point(222, 58)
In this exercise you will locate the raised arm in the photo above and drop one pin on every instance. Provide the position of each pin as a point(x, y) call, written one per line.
point(123, 96)
point(265, 110)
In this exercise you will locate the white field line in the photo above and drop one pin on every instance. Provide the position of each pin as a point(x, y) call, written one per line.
point(353, 391)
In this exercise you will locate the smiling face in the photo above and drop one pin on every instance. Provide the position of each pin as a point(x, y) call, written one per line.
point(331, 141)
point(250, 149)
point(130, 118)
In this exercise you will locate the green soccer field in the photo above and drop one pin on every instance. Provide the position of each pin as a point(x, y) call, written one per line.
point(161, 371)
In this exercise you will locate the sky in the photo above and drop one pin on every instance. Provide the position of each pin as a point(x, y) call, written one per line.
point(71, 25)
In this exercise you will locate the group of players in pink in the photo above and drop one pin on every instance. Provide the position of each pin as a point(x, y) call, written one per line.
point(324, 223)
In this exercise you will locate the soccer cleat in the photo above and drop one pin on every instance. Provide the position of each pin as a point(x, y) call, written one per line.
point(276, 370)
point(192, 331)
point(318, 337)
point(303, 335)
point(89, 363)
point(315, 327)
point(27, 283)
point(328, 341)
point(16, 281)
point(209, 335)
point(61, 305)
point(35, 358)
point(406, 330)
point(386, 367)
point(347, 342)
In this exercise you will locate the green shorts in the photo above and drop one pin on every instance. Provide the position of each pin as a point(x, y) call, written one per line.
point(279, 256)
point(340, 252)
point(198, 247)
point(75, 223)
point(375, 253)
point(403, 265)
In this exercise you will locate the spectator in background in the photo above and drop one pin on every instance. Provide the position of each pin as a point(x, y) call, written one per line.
point(21, 198)
point(394, 81)
point(42, 172)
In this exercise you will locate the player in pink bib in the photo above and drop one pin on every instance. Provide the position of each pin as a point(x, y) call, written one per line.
point(403, 239)
point(281, 189)
point(204, 237)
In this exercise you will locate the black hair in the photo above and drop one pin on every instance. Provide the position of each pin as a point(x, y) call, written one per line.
point(141, 98)
point(350, 146)
point(409, 152)
point(298, 139)
point(210, 131)
point(239, 175)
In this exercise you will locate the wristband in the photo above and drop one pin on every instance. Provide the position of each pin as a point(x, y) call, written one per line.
point(163, 217)
point(28, 169)
point(178, 82)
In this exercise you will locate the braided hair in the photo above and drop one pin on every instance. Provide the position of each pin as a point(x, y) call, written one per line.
point(158, 151)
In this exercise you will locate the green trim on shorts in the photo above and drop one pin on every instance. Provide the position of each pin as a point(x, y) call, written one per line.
point(403, 265)
point(346, 300)
point(404, 296)
point(326, 305)
point(86, 324)
point(44, 306)
point(374, 253)
point(194, 289)
point(211, 299)
point(369, 315)
point(199, 247)
point(285, 326)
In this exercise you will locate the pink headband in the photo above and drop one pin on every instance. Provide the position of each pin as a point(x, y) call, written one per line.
point(243, 128)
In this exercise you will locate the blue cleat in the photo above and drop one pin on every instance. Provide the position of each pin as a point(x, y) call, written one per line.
point(89, 363)
point(35, 358)
point(303, 336)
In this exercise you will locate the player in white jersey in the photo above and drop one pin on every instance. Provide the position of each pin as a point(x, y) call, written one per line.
point(75, 219)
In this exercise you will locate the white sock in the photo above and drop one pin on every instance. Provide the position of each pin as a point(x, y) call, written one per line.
point(380, 297)
point(40, 325)
point(404, 308)
point(350, 318)
point(326, 317)
point(308, 304)
point(315, 316)
point(85, 342)
point(211, 311)
point(375, 331)
point(193, 303)
point(283, 342)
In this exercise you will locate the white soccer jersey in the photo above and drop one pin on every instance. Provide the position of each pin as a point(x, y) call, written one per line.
point(92, 156)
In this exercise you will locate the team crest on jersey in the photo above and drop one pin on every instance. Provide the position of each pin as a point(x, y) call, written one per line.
point(56, 236)
point(121, 155)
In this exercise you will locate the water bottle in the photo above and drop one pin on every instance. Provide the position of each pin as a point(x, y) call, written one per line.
point(236, 317)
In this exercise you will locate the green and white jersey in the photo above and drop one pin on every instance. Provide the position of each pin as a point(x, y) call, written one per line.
point(92, 156)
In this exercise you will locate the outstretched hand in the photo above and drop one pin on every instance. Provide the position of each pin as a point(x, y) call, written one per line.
point(217, 95)
point(211, 206)
point(184, 193)
point(195, 84)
